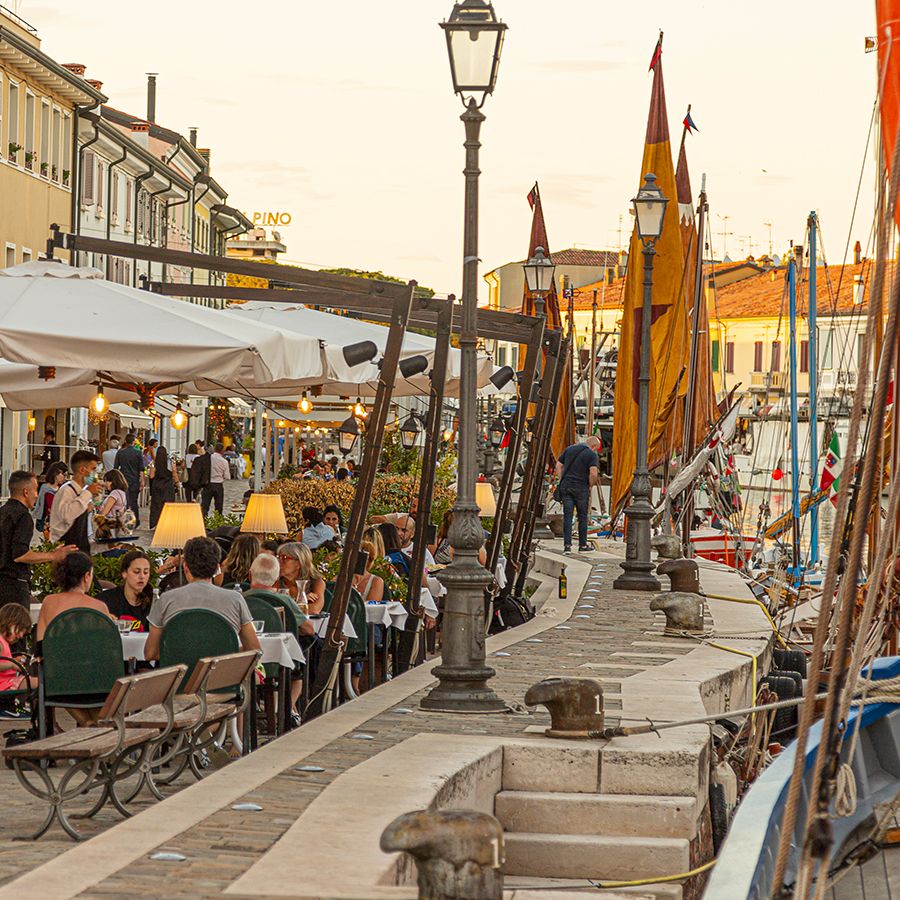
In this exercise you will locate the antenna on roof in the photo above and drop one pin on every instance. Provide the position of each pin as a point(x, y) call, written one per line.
point(769, 226)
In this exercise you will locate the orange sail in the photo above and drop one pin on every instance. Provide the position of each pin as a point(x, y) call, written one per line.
point(563, 433)
point(888, 14)
point(669, 333)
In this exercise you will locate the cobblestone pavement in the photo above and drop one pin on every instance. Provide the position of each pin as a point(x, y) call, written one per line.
point(603, 626)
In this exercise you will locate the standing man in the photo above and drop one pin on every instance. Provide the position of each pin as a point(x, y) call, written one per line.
point(51, 450)
point(109, 455)
point(16, 533)
point(219, 473)
point(130, 462)
point(72, 505)
point(578, 471)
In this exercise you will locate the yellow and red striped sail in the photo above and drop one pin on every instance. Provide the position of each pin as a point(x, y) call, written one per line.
point(669, 332)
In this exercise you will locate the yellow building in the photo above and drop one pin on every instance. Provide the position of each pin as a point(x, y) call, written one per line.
point(40, 101)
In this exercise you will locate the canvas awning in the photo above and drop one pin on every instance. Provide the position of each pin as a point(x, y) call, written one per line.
point(336, 331)
point(129, 416)
point(52, 314)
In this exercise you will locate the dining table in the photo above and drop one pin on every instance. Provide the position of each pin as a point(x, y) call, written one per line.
point(390, 614)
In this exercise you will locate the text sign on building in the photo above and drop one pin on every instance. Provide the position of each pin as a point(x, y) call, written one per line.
point(272, 219)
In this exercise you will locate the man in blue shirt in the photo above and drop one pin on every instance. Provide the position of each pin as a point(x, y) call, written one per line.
point(577, 469)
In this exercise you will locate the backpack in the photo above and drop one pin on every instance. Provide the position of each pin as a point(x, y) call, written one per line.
point(201, 471)
point(508, 613)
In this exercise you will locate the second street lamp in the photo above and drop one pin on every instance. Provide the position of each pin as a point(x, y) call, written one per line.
point(637, 574)
point(539, 271)
point(474, 41)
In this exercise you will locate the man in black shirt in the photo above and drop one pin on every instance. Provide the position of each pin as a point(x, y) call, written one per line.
point(16, 533)
point(577, 469)
point(130, 462)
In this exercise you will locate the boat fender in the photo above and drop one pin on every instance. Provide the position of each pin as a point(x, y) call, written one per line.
point(790, 661)
point(723, 794)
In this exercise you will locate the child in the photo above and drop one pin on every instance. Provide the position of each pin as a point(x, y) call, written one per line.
point(15, 624)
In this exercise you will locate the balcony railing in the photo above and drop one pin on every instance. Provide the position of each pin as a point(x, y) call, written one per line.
point(767, 381)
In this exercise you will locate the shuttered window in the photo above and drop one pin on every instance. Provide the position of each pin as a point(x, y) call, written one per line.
point(87, 178)
point(757, 356)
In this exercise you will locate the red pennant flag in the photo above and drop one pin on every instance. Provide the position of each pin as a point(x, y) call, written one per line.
point(657, 53)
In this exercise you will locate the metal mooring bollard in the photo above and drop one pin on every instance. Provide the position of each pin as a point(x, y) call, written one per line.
point(575, 705)
point(684, 611)
point(458, 852)
point(684, 574)
point(667, 546)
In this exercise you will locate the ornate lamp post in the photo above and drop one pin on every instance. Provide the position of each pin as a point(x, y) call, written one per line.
point(637, 575)
point(474, 41)
point(539, 272)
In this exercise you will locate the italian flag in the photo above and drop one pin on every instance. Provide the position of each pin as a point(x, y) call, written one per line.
point(831, 474)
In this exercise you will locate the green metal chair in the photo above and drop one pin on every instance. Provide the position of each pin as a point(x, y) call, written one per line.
point(277, 602)
point(193, 634)
point(81, 659)
point(357, 649)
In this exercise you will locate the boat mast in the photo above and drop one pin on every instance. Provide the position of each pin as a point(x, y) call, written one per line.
point(795, 451)
point(814, 557)
point(690, 403)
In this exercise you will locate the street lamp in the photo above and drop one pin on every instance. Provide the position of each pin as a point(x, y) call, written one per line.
point(539, 271)
point(474, 41)
point(410, 429)
point(347, 435)
point(637, 570)
point(497, 432)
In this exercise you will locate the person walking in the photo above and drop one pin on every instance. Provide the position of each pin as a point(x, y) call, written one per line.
point(198, 474)
point(162, 484)
point(74, 502)
point(109, 455)
point(16, 534)
point(219, 473)
point(130, 462)
point(577, 469)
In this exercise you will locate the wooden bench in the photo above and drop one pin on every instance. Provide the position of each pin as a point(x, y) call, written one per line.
point(98, 756)
point(200, 716)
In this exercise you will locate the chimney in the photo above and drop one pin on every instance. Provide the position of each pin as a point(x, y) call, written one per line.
point(859, 289)
point(205, 153)
point(623, 263)
point(193, 137)
point(96, 85)
point(140, 131)
point(610, 275)
point(75, 68)
point(857, 253)
point(151, 96)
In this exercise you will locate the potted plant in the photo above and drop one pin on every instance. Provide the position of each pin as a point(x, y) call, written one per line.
point(44, 167)
point(66, 174)
point(29, 159)
point(53, 172)
point(14, 148)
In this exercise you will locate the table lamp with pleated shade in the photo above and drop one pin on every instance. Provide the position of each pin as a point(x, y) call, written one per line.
point(484, 497)
point(178, 523)
point(265, 515)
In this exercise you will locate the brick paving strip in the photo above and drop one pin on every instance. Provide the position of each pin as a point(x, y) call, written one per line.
point(221, 843)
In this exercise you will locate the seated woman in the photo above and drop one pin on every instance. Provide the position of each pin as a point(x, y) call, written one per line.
point(332, 517)
point(391, 539)
point(316, 532)
point(299, 576)
point(236, 565)
point(441, 549)
point(132, 600)
point(74, 575)
point(15, 624)
point(113, 507)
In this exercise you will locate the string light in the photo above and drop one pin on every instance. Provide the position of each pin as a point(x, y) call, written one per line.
point(32, 423)
point(305, 405)
point(99, 405)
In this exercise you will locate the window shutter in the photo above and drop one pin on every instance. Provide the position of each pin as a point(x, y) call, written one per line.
point(140, 213)
point(99, 183)
point(114, 199)
point(87, 178)
point(757, 356)
point(804, 356)
point(129, 199)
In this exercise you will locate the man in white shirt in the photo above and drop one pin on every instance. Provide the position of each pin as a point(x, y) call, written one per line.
point(219, 473)
point(406, 529)
point(109, 455)
point(74, 502)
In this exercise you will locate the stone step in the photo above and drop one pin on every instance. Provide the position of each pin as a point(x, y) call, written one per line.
point(590, 856)
point(620, 815)
point(527, 888)
point(544, 764)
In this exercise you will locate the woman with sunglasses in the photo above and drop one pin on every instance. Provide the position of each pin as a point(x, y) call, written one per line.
point(299, 576)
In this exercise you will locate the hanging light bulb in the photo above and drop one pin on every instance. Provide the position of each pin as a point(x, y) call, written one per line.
point(179, 418)
point(305, 405)
point(32, 423)
point(99, 405)
point(359, 408)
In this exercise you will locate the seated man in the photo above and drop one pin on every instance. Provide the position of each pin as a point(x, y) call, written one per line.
point(265, 573)
point(200, 561)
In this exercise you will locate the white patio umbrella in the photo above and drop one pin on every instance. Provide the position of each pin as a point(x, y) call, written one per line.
point(52, 314)
point(338, 331)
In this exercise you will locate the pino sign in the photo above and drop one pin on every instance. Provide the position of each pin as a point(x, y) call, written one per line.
point(271, 218)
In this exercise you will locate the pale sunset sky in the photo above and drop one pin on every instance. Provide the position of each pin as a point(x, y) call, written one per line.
point(342, 113)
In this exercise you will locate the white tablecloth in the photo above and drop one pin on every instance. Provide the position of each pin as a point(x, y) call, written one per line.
point(321, 626)
point(35, 612)
point(435, 587)
point(428, 603)
point(387, 614)
point(281, 648)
